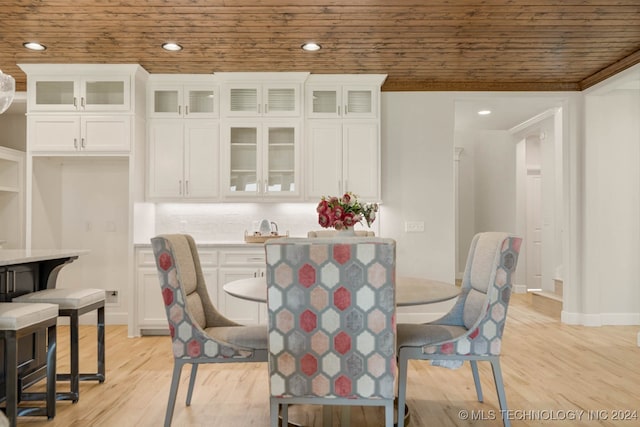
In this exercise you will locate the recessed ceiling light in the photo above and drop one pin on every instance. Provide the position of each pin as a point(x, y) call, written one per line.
point(311, 47)
point(484, 112)
point(173, 47)
point(34, 46)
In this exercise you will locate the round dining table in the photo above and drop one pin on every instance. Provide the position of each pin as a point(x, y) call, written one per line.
point(409, 290)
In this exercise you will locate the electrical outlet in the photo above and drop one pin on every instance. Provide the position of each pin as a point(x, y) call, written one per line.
point(414, 226)
point(111, 297)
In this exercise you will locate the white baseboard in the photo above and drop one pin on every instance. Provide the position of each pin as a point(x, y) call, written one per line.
point(600, 319)
point(519, 289)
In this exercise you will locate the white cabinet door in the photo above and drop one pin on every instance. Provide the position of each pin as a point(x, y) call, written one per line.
point(105, 133)
point(183, 159)
point(201, 156)
point(343, 157)
point(151, 311)
point(324, 159)
point(361, 160)
point(54, 133)
point(166, 162)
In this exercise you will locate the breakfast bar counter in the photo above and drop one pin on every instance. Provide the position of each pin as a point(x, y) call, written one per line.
point(23, 271)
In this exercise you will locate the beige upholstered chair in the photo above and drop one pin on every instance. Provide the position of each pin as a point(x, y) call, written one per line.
point(200, 333)
point(472, 330)
point(332, 233)
point(331, 305)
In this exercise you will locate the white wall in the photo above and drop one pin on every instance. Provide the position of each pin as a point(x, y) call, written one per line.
point(611, 235)
point(417, 180)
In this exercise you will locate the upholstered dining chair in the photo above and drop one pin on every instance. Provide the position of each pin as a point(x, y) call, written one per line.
point(331, 307)
point(199, 332)
point(472, 330)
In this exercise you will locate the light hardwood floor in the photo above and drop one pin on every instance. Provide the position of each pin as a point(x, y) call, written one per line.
point(551, 370)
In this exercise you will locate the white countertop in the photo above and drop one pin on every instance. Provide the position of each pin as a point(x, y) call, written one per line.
point(21, 256)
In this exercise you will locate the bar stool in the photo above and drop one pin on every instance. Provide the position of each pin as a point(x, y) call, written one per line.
point(18, 320)
point(73, 303)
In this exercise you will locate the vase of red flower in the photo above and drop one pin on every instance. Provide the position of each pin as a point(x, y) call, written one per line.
point(343, 213)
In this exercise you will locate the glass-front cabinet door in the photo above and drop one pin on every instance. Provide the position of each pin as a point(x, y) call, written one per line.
point(189, 101)
point(80, 94)
point(243, 160)
point(262, 160)
point(336, 101)
point(269, 100)
point(281, 160)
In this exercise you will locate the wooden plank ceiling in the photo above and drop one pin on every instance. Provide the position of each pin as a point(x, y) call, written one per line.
point(420, 44)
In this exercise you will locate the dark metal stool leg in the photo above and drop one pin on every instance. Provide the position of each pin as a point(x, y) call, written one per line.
point(51, 371)
point(101, 346)
point(11, 376)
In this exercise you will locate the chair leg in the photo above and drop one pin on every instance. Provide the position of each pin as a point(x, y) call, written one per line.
point(51, 371)
point(101, 345)
point(502, 398)
point(173, 391)
point(327, 416)
point(285, 415)
point(11, 377)
point(476, 379)
point(74, 376)
point(192, 382)
point(403, 365)
point(388, 414)
point(274, 412)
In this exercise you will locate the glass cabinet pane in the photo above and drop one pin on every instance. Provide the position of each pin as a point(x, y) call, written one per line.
point(325, 101)
point(243, 161)
point(281, 155)
point(282, 100)
point(244, 99)
point(165, 101)
point(55, 93)
point(359, 101)
point(105, 93)
point(200, 101)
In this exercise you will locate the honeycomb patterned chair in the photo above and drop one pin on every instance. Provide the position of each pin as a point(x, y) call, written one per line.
point(331, 307)
point(472, 330)
point(199, 332)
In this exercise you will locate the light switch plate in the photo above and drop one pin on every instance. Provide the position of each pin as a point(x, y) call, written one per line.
point(414, 226)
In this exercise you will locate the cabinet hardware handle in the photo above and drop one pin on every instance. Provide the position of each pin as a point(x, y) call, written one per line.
point(75, 143)
point(82, 104)
point(338, 110)
point(75, 102)
point(255, 274)
point(13, 284)
point(262, 274)
point(186, 187)
point(82, 143)
point(179, 109)
point(180, 187)
point(346, 110)
point(186, 110)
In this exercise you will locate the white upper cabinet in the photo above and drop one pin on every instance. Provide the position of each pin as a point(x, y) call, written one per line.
point(261, 159)
point(262, 94)
point(343, 157)
point(76, 93)
point(183, 160)
point(54, 133)
point(343, 97)
point(189, 99)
